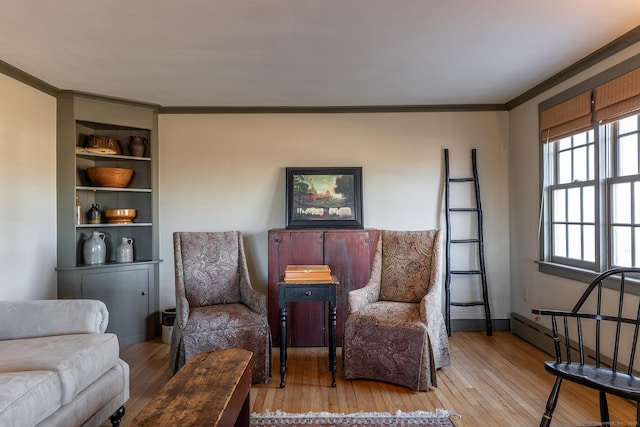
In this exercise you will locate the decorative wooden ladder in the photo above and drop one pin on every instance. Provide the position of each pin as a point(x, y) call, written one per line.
point(478, 240)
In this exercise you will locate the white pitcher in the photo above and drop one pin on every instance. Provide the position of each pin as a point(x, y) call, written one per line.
point(94, 250)
point(124, 251)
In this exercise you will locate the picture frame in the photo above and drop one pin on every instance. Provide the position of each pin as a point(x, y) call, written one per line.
point(324, 197)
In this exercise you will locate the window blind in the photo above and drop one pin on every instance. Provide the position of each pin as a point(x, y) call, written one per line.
point(619, 98)
point(567, 118)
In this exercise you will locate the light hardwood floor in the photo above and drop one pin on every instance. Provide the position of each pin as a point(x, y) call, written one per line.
point(492, 381)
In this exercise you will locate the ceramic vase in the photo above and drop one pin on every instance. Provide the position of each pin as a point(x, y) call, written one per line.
point(136, 146)
point(124, 251)
point(94, 249)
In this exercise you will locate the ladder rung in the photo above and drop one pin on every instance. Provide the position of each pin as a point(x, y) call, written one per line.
point(461, 179)
point(467, 304)
point(466, 272)
point(463, 209)
point(466, 241)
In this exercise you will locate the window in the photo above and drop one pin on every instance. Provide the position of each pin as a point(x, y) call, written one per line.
point(624, 190)
point(591, 177)
point(572, 200)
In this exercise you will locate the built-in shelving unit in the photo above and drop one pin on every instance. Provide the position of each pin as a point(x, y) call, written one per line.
point(130, 290)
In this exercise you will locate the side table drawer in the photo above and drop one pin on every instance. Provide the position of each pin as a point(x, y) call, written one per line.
point(309, 293)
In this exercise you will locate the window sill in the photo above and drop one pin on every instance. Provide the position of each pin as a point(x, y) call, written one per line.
point(580, 275)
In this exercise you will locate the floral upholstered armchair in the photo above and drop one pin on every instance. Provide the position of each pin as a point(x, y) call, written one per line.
point(216, 307)
point(395, 331)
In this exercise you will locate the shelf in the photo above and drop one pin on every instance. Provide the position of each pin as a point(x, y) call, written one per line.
point(110, 264)
point(91, 156)
point(130, 190)
point(101, 225)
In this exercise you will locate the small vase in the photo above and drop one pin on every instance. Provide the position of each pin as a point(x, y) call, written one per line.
point(136, 146)
point(124, 251)
point(94, 250)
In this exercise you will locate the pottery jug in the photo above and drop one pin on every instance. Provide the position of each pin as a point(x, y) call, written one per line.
point(136, 146)
point(94, 250)
point(124, 251)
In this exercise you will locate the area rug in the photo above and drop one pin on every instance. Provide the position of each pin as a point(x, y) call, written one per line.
point(439, 418)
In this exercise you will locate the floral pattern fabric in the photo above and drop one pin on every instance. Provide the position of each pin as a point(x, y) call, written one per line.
point(216, 306)
point(398, 335)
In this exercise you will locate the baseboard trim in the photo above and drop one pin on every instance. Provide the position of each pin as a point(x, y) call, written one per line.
point(542, 337)
point(473, 325)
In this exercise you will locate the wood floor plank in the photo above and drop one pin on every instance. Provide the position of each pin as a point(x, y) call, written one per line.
point(492, 381)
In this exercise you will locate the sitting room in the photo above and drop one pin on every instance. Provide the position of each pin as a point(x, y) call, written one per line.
point(159, 159)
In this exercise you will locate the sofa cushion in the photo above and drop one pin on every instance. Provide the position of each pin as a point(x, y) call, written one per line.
point(78, 359)
point(26, 398)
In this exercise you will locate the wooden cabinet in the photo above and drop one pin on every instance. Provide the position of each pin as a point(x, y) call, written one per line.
point(349, 254)
point(130, 290)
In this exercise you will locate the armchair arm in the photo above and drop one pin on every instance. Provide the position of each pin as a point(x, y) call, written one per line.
point(358, 298)
point(250, 297)
point(30, 319)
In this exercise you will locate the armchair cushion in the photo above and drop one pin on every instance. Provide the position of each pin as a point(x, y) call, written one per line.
point(405, 276)
point(211, 275)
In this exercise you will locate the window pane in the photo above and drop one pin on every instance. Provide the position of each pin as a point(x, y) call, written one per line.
point(559, 203)
point(621, 246)
point(575, 241)
point(564, 143)
point(636, 236)
point(621, 203)
point(573, 205)
point(636, 202)
point(580, 164)
point(628, 125)
point(580, 139)
point(588, 204)
point(559, 240)
point(564, 167)
point(628, 155)
point(592, 161)
point(589, 243)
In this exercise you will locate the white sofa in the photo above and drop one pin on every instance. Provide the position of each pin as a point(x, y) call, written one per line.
point(58, 367)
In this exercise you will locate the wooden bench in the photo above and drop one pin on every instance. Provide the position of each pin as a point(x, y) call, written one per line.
point(211, 389)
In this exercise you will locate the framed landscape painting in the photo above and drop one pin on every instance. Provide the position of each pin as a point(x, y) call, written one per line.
point(324, 197)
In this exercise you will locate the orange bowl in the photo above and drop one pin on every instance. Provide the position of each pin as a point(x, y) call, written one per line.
point(110, 177)
point(120, 216)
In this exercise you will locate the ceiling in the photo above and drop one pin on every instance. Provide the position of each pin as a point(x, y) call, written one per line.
point(259, 53)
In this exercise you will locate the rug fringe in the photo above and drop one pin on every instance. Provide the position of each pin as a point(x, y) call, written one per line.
point(439, 413)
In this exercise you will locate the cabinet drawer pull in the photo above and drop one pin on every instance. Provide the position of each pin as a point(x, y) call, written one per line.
point(308, 293)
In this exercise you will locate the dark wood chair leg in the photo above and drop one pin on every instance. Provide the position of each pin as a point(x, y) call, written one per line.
point(604, 408)
point(117, 417)
point(551, 403)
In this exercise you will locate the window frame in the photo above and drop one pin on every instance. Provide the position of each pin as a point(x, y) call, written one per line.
point(584, 272)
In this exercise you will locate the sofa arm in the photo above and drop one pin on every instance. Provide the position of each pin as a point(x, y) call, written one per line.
point(29, 319)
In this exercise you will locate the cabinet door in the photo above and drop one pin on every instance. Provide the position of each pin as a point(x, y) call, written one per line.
point(307, 322)
point(126, 295)
point(349, 254)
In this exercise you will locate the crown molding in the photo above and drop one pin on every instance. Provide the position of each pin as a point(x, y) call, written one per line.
point(628, 39)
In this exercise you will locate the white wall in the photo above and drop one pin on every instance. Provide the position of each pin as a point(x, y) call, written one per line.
point(27, 192)
point(544, 290)
point(227, 172)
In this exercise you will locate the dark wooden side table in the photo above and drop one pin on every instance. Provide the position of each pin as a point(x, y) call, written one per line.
point(307, 292)
point(211, 389)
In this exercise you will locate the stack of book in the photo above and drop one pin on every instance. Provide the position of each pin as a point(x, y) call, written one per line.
point(307, 273)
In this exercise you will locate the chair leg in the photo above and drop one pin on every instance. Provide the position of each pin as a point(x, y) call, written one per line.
point(551, 403)
point(604, 408)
